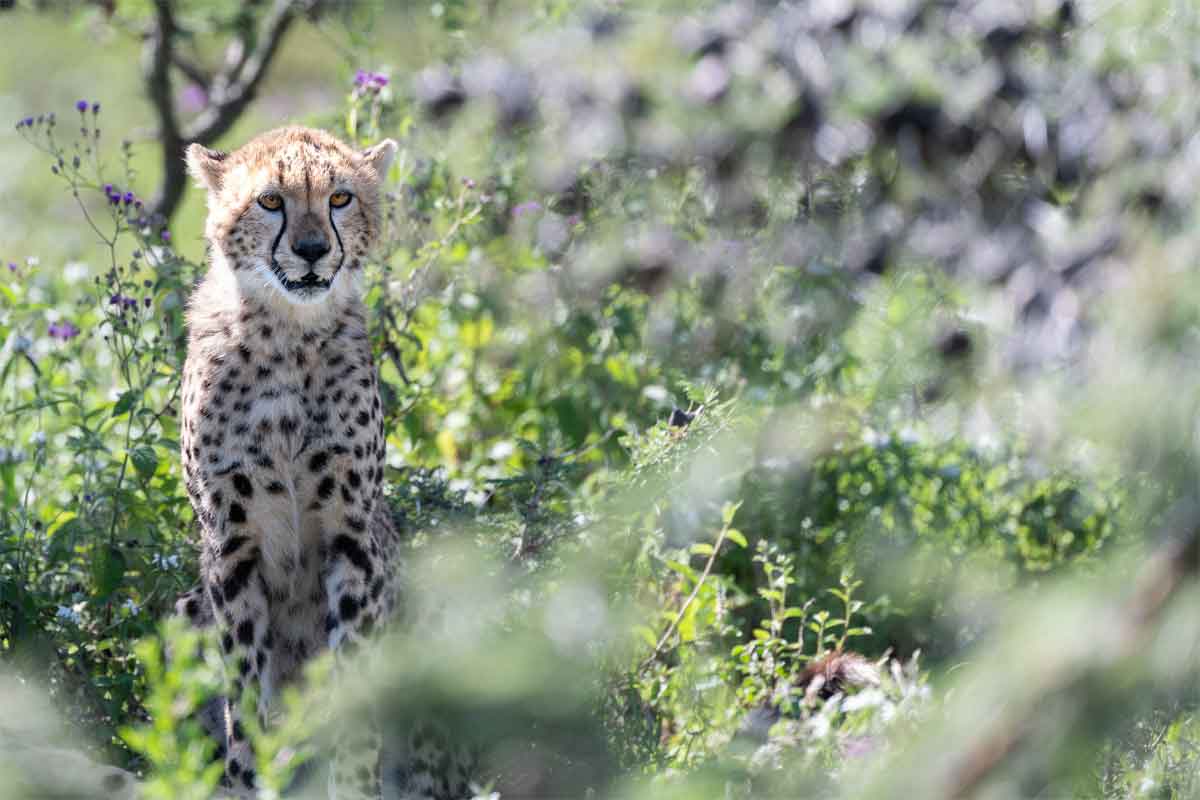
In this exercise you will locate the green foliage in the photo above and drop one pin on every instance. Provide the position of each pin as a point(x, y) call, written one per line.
point(720, 347)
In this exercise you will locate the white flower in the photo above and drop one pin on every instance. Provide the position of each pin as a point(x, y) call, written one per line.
point(165, 562)
point(69, 613)
point(130, 606)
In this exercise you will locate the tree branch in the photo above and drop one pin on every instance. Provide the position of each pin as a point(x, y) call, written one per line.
point(229, 91)
point(194, 72)
point(234, 87)
point(156, 64)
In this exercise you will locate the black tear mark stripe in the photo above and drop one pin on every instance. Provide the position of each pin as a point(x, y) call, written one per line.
point(341, 247)
point(278, 236)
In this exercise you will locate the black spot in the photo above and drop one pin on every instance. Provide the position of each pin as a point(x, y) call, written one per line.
point(241, 429)
point(227, 643)
point(363, 418)
point(235, 768)
point(347, 496)
point(352, 550)
point(355, 523)
point(238, 733)
point(231, 545)
point(242, 484)
point(263, 373)
point(265, 331)
point(288, 424)
point(261, 660)
point(191, 608)
point(237, 513)
point(245, 632)
point(216, 498)
point(244, 352)
point(326, 487)
point(277, 358)
point(275, 487)
point(348, 607)
point(238, 578)
point(318, 461)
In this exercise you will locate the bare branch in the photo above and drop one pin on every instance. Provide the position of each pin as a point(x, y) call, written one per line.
point(229, 91)
point(193, 71)
point(157, 59)
point(234, 87)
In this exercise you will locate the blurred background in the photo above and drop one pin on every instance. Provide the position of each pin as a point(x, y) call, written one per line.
point(783, 399)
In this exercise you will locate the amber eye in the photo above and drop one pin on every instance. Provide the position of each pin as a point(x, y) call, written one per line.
point(339, 199)
point(270, 201)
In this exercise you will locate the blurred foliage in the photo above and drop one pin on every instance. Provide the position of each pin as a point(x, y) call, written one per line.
point(780, 398)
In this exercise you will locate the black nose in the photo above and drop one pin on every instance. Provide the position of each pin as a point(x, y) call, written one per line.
point(311, 249)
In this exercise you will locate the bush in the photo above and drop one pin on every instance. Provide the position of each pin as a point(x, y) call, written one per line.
point(779, 398)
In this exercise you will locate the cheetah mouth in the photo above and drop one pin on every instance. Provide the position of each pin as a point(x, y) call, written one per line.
point(310, 284)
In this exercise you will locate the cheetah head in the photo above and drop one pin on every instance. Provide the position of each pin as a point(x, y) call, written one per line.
point(293, 213)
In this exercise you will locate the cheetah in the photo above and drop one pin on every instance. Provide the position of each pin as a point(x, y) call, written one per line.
point(282, 427)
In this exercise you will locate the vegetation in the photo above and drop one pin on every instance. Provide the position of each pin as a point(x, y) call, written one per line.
point(782, 399)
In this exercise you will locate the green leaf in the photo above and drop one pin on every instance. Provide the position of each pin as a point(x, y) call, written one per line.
point(125, 402)
point(144, 459)
point(702, 549)
point(735, 536)
point(108, 571)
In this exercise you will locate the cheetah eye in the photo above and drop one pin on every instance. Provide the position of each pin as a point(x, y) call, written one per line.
point(339, 199)
point(270, 201)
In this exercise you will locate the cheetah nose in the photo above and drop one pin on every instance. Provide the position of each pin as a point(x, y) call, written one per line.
point(311, 249)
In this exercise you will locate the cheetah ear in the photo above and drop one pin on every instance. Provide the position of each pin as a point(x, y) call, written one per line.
point(206, 166)
point(379, 156)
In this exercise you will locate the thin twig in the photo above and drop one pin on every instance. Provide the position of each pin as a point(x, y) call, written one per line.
point(666, 637)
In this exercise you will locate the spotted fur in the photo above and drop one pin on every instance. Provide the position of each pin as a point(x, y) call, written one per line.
point(283, 437)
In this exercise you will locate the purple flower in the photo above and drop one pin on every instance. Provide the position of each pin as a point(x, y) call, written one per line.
point(108, 189)
point(147, 302)
point(528, 207)
point(81, 106)
point(166, 235)
point(379, 80)
point(193, 98)
point(128, 198)
point(12, 266)
point(27, 122)
point(63, 331)
point(361, 77)
point(95, 108)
